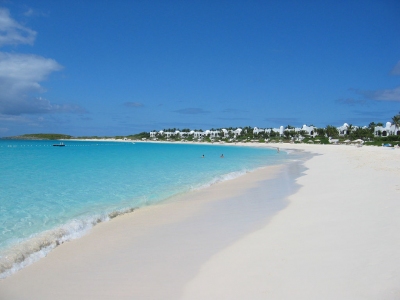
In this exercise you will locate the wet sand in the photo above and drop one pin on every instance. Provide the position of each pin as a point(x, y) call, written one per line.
point(154, 251)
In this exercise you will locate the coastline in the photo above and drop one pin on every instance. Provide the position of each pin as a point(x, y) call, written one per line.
point(145, 246)
point(37, 246)
point(335, 239)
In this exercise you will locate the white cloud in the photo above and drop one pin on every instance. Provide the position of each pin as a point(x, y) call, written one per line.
point(20, 76)
point(29, 12)
point(13, 33)
point(40, 105)
point(383, 95)
point(13, 119)
point(25, 71)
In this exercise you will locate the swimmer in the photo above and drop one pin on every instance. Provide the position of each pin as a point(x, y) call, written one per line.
point(222, 156)
point(202, 156)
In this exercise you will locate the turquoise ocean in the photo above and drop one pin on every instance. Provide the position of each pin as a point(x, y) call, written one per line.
point(49, 195)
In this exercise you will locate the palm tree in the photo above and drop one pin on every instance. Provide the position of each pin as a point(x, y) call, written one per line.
point(331, 131)
point(396, 122)
point(350, 128)
point(372, 125)
point(321, 131)
point(286, 134)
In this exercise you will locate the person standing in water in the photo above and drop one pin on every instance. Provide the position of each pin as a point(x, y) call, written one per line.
point(202, 156)
point(222, 156)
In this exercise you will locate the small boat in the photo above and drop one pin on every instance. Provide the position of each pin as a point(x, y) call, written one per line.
point(59, 145)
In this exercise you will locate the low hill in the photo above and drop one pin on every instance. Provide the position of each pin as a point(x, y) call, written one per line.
point(41, 136)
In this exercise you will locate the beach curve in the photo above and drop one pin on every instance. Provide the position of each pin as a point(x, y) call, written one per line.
point(336, 239)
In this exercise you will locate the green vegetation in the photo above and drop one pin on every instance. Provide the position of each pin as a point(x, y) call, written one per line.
point(248, 135)
point(139, 136)
point(44, 136)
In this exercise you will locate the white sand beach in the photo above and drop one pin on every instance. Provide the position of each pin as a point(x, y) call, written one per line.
point(337, 239)
point(333, 235)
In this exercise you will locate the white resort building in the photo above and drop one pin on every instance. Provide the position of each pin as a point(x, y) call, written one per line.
point(389, 129)
point(223, 133)
point(310, 131)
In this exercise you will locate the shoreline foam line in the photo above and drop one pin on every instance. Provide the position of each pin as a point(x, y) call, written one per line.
point(175, 237)
point(40, 245)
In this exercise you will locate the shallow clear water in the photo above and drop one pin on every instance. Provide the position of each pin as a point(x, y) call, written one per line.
point(52, 194)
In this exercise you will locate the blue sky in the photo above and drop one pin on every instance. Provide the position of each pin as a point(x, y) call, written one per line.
point(122, 67)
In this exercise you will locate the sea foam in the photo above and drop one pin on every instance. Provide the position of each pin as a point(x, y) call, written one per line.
point(51, 195)
point(36, 247)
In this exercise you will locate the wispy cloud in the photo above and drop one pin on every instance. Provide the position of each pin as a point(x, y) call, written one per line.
point(351, 101)
point(133, 104)
point(364, 117)
point(13, 33)
point(14, 118)
point(20, 76)
point(29, 12)
point(37, 105)
point(191, 111)
point(396, 70)
point(41, 106)
point(374, 113)
point(382, 95)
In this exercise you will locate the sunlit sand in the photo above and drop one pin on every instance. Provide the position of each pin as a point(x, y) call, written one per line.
point(332, 233)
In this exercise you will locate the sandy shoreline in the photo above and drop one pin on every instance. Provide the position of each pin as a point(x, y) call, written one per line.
point(336, 237)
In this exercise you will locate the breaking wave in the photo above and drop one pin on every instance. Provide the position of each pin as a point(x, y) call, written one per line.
point(31, 250)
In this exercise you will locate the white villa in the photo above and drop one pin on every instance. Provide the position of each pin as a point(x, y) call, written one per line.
point(257, 130)
point(389, 129)
point(213, 133)
point(343, 129)
point(199, 134)
point(223, 133)
point(311, 131)
point(168, 134)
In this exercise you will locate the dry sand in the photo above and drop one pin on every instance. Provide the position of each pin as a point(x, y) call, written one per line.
point(336, 236)
point(339, 238)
